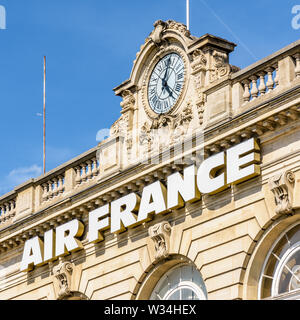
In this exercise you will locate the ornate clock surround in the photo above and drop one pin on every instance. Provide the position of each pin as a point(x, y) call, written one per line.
point(162, 52)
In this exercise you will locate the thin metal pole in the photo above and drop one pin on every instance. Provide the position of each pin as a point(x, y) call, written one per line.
point(188, 14)
point(44, 119)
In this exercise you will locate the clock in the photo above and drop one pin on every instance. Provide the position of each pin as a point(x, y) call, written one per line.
point(166, 83)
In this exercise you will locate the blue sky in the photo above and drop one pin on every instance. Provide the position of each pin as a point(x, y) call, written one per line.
point(90, 46)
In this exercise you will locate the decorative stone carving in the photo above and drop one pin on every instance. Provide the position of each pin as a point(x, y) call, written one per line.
point(173, 25)
point(282, 185)
point(160, 234)
point(220, 66)
point(161, 26)
point(163, 121)
point(128, 101)
point(181, 123)
point(156, 35)
point(63, 278)
point(145, 134)
point(119, 127)
point(200, 106)
point(199, 61)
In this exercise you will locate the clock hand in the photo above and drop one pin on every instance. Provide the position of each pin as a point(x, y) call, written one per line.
point(169, 91)
point(167, 68)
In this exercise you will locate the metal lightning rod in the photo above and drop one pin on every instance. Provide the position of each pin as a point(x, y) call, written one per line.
point(44, 118)
point(188, 14)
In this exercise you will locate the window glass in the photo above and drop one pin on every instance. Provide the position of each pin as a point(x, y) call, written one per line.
point(180, 283)
point(281, 271)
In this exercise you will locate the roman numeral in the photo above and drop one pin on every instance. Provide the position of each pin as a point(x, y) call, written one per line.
point(179, 67)
point(154, 99)
point(180, 76)
point(178, 87)
point(152, 92)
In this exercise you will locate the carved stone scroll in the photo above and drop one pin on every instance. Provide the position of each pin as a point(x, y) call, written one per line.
point(160, 234)
point(63, 278)
point(282, 185)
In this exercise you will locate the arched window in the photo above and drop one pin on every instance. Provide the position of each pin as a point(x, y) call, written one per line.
point(281, 270)
point(180, 283)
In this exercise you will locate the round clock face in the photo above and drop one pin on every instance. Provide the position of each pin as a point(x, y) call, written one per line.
point(166, 83)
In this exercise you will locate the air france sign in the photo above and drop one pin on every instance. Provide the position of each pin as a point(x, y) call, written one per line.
point(214, 174)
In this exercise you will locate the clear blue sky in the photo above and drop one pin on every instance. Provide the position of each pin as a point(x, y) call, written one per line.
point(90, 46)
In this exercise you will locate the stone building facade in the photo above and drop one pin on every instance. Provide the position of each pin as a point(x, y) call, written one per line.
point(72, 233)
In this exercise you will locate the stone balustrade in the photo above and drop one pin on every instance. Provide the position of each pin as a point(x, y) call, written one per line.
point(266, 77)
point(53, 187)
point(7, 210)
point(260, 83)
point(86, 171)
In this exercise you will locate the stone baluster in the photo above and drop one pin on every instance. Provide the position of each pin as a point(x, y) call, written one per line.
point(12, 207)
point(83, 174)
point(254, 90)
point(276, 79)
point(45, 191)
point(55, 187)
point(2, 212)
point(78, 176)
point(262, 87)
point(270, 82)
point(297, 68)
point(95, 167)
point(89, 173)
point(50, 191)
point(6, 210)
point(246, 95)
point(60, 185)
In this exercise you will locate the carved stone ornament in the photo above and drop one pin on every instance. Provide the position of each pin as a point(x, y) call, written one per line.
point(182, 28)
point(145, 134)
point(63, 277)
point(128, 101)
point(282, 185)
point(160, 26)
point(156, 35)
point(182, 122)
point(220, 66)
point(120, 126)
point(199, 61)
point(160, 234)
point(163, 121)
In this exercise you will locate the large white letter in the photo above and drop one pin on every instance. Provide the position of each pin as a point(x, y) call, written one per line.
point(153, 200)
point(242, 161)
point(96, 225)
point(32, 254)
point(207, 180)
point(49, 246)
point(182, 189)
point(122, 215)
point(65, 237)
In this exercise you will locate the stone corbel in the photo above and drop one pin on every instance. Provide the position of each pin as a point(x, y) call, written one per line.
point(63, 278)
point(282, 185)
point(160, 234)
